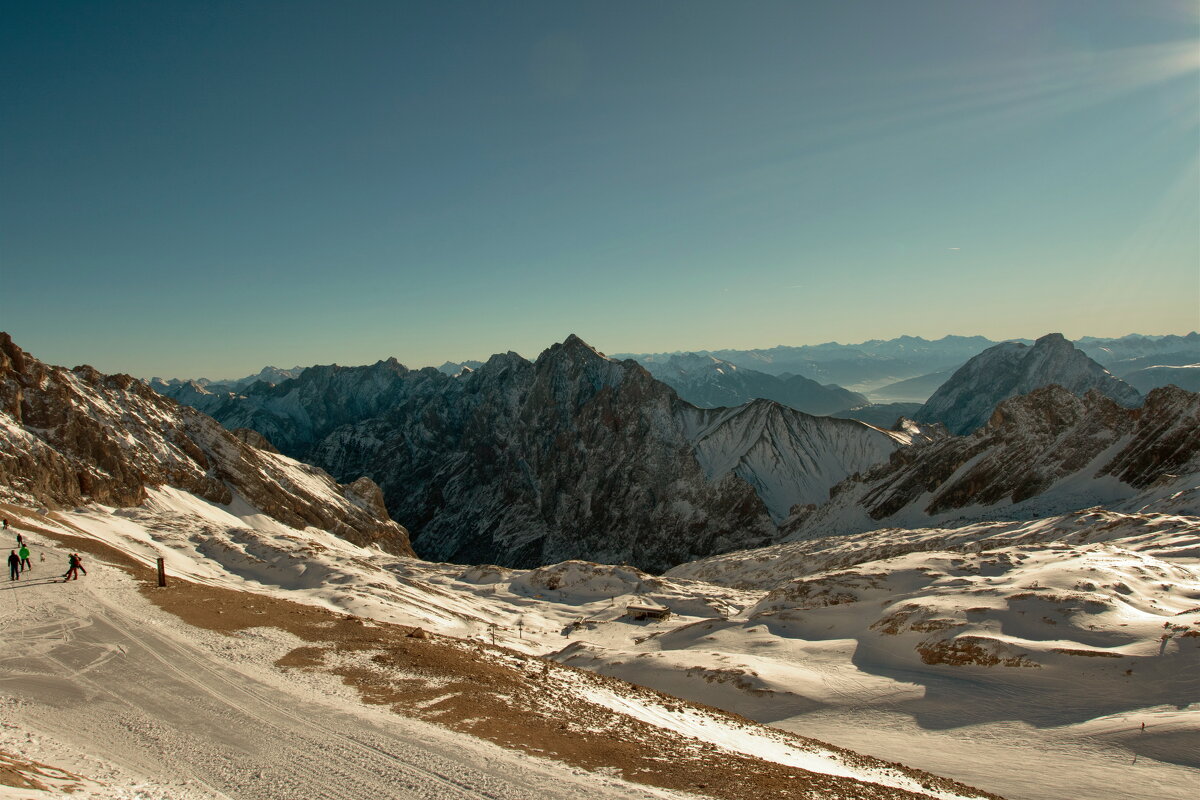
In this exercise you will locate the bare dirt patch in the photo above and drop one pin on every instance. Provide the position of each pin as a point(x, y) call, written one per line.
point(22, 774)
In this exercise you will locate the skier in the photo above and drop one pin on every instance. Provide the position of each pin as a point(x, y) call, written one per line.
point(23, 553)
point(14, 566)
point(75, 566)
point(20, 540)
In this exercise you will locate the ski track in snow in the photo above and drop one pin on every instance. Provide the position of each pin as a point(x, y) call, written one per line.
point(97, 670)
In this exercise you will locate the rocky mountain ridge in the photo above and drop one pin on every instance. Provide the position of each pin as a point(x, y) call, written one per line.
point(69, 437)
point(1049, 451)
point(573, 455)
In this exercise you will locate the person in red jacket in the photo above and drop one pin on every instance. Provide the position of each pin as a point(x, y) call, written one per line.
point(75, 566)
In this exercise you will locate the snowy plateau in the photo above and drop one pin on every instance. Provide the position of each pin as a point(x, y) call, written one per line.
point(912, 624)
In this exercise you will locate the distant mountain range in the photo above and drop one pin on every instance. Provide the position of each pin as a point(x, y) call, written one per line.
point(269, 375)
point(708, 382)
point(910, 369)
point(890, 378)
point(576, 455)
point(859, 367)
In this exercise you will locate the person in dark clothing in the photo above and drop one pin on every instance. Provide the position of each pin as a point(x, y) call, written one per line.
point(75, 566)
point(14, 566)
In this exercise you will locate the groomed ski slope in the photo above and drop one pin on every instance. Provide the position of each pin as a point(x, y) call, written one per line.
point(112, 686)
point(131, 703)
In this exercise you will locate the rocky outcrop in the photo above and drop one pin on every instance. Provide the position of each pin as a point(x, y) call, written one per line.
point(1051, 445)
point(573, 455)
point(69, 437)
point(966, 401)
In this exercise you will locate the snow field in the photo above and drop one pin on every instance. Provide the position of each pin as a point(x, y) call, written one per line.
point(942, 634)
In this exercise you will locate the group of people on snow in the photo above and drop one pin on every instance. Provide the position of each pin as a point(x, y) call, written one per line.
point(18, 561)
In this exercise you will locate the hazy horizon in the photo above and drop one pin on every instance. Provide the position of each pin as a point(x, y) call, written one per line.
point(532, 354)
point(201, 189)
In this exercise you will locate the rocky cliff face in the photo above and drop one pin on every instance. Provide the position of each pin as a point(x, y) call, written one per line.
point(709, 382)
point(68, 437)
point(1051, 450)
point(965, 402)
point(573, 455)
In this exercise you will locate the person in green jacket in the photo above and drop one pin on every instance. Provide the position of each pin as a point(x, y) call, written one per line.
point(23, 554)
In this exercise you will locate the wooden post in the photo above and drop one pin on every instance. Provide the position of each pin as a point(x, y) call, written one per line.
point(162, 572)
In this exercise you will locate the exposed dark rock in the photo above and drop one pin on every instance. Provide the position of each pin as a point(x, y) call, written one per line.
point(76, 436)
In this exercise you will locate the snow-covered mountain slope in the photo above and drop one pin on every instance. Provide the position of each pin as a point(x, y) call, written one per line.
point(1009, 641)
point(739, 640)
point(1087, 599)
point(573, 455)
point(709, 382)
point(271, 594)
point(69, 437)
point(1043, 453)
point(790, 458)
point(966, 401)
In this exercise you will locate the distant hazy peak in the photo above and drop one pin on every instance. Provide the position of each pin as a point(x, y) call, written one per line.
point(966, 401)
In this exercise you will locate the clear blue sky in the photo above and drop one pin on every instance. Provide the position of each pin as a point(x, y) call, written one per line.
point(202, 188)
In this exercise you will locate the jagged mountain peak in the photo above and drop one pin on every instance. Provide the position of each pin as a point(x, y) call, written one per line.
point(573, 348)
point(501, 364)
point(1053, 340)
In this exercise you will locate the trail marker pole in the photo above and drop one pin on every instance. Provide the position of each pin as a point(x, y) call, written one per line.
point(162, 571)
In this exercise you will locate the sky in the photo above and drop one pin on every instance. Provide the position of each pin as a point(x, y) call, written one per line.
point(200, 189)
